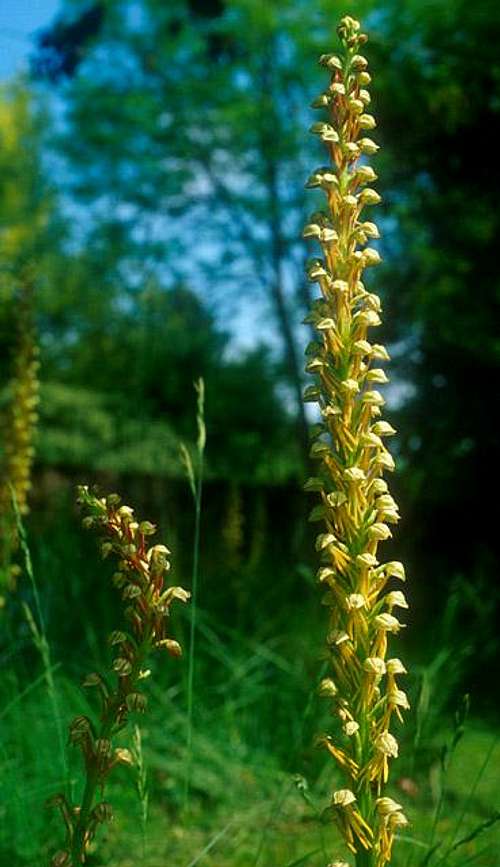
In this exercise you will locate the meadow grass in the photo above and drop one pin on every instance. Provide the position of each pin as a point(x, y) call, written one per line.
point(256, 714)
point(243, 784)
point(224, 771)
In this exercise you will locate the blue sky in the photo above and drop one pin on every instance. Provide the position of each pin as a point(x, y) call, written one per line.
point(19, 21)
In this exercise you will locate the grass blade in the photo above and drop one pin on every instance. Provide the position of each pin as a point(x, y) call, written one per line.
point(303, 858)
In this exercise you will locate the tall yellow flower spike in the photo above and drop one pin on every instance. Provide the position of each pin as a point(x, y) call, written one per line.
point(18, 432)
point(356, 507)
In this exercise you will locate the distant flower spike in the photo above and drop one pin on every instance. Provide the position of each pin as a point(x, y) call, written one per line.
point(356, 508)
point(18, 432)
point(141, 580)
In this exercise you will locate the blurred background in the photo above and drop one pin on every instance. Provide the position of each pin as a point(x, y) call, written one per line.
point(152, 165)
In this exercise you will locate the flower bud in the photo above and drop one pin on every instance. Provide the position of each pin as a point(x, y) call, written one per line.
point(395, 666)
point(80, 729)
point(354, 474)
point(385, 459)
point(125, 513)
point(398, 698)
point(359, 62)
point(371, 257)
point(330, 61)
point(336, 498)
point(320, 101)
point(325, 131)
point(338, 88)
point(395, 599)
point(370, 441)
point(324, 574)
point(123, 756)
point(374, 665)
point(383, 429)
point(327, 688)
point(136, 701)
point(394, 569)
point(373, 398)
point(122, 666)
point(172, 647)
point(387, 744)
point(365, 175)
point(397, 820)
point(356, 106)
point(369, 197)
point(362, 347)
point(317, 270)
point(367, 121)
point(343, 797)
point(324, 178)
point(349, 386)
point(368, 146)
point(377, 375)
point(324, 325)
point(380, 352)
point(102, 812)
point(324, 540)
point(351, 149)
point(368, 318)
point(387, 623)
point(386, 806)
point(311, 394)
point(355, 601)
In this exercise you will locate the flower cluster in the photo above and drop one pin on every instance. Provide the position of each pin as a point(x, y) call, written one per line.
point(18, 430)
point(356, 508)
point(141, 579)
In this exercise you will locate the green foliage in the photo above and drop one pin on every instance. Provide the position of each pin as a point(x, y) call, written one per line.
point(84, 428)
point(437, 101)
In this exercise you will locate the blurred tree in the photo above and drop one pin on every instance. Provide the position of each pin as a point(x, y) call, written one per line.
point(141, 368)
point(186, 122)
point(120, 351)
point(438, 74)
point(185, 134)
point(179, 140)
point(25, 200)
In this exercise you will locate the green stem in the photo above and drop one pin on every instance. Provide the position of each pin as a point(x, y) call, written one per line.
point(192, 633)
point(40, 636)
point(93, 777)
point(365, 858)
point(78, 842)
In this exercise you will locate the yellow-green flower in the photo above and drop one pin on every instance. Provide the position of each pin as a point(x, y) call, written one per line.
point(356, 508)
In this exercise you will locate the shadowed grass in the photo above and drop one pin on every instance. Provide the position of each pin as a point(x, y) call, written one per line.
point(242, 782)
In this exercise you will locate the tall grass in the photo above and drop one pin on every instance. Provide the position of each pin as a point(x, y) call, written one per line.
point(195, 477)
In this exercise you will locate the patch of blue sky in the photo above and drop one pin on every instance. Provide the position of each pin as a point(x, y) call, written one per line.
point(20, 21)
